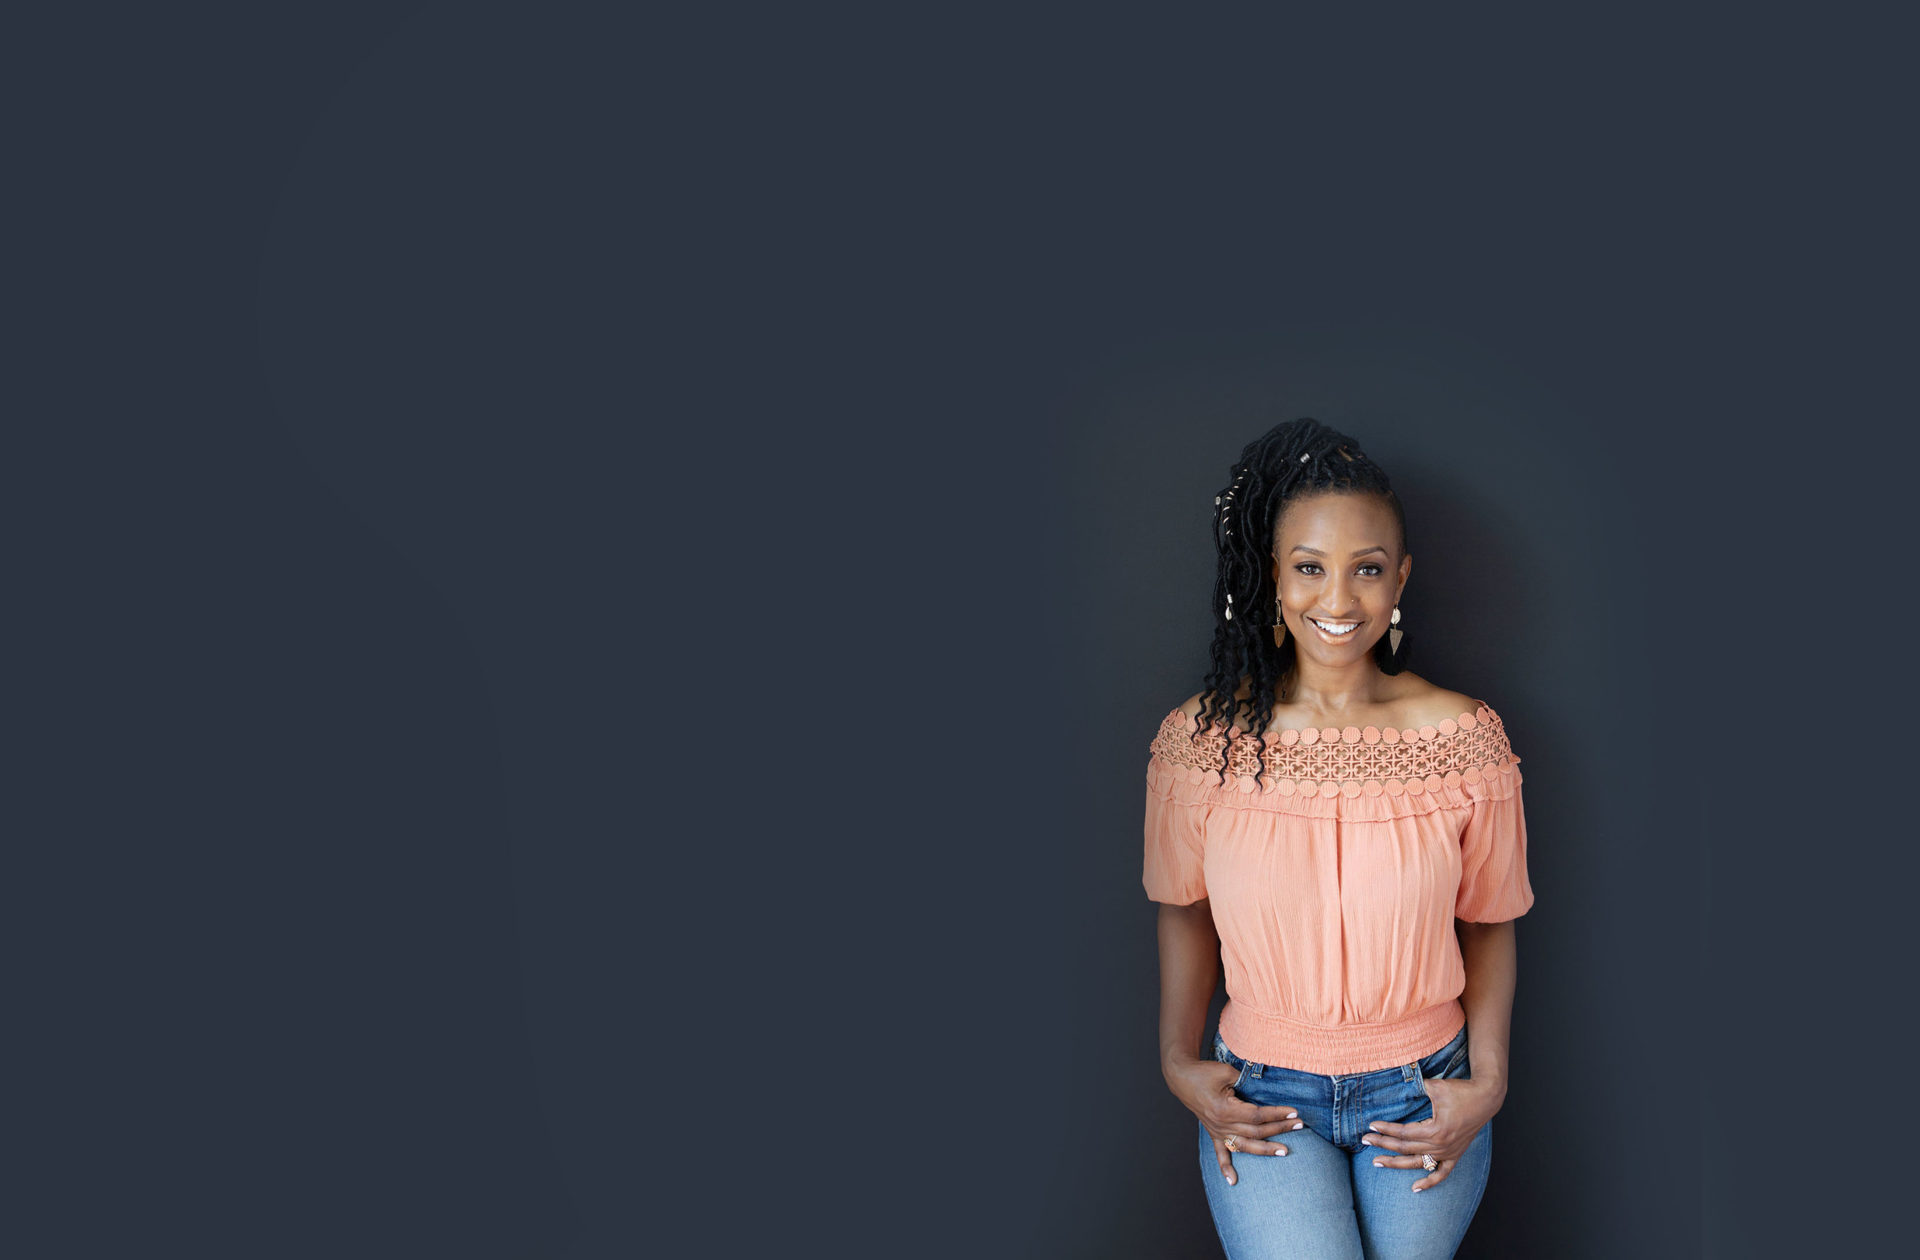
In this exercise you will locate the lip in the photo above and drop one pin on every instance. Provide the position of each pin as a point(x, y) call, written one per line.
point(1337, 640)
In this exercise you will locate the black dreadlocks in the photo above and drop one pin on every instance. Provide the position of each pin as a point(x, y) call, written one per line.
point(1293, 460)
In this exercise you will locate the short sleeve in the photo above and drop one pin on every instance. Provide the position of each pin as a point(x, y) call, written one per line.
point(1177, 809)
point(1176, 843)
point(1493, 861)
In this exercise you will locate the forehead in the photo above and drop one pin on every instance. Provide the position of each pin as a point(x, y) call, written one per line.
point(1347, 521)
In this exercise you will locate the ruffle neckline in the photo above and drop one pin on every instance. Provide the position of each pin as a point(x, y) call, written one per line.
point(1457, 758)
point(1309, 735)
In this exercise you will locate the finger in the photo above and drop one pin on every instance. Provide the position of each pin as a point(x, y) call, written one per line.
point(1384, 1160)
point(1435, 1177)
point(1221, 1153)
point(1245, 1134)
point(1409, 1128)
point(1391, 1129)
point(1413, 1146)
point(1220, 1125)
point(1256, 1146)
point(1254, 1113)
point(1259, 1123)
point(1246, 1143)
point(1252, 1124)
point(1429, 1130)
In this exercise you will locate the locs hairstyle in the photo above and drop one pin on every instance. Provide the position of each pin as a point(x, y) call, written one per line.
point(1291, 461)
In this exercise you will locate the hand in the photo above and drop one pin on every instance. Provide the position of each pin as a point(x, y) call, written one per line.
point(1461, 1108)
point(1206, 1087)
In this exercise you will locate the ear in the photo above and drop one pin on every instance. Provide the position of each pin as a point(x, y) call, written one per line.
point(1406, 567)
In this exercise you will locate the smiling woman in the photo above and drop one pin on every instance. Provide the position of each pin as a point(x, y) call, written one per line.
point(1345, 840)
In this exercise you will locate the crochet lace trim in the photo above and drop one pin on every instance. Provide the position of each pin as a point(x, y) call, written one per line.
point(1347, 761)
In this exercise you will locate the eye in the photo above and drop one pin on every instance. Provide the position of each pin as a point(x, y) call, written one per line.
point(1310, 568)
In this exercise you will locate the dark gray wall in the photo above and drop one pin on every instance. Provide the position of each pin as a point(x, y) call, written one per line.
point(595, 585)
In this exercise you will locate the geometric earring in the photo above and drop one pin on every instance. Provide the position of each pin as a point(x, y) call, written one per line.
point(1396, 645)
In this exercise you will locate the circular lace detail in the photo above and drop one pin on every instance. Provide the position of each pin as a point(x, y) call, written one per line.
point(1334, 761)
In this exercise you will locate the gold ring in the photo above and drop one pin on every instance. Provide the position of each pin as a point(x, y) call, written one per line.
point(1429, 1162)
point(1233, 1141)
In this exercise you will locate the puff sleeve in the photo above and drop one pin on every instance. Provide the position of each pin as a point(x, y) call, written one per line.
point(1177, 808)
point(1176, 844)
point(1493, 852)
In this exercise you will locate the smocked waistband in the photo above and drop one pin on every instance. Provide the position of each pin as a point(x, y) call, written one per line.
point(1339, 1049)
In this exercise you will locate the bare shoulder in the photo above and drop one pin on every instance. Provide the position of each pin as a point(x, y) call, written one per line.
point(1191, 707)
point(1425, 704)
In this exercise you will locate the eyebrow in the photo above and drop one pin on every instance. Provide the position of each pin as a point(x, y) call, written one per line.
point(1355, 556)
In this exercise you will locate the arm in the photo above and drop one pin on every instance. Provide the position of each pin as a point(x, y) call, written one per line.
point(1189, 971)
point(1487, 950)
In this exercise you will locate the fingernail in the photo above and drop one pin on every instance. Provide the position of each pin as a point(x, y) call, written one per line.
point(1374, 1127)
point(1232, 1181)
point(1281, 1151)
point(1418, 1189)
point(1300, 1124)
point(1366, 1141)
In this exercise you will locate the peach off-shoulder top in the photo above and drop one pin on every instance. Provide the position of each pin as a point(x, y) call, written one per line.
point(1335, 878)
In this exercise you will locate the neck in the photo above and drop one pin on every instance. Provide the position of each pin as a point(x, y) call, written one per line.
point(1334, 690)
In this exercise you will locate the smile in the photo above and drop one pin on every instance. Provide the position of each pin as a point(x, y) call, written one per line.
point(1335, 629)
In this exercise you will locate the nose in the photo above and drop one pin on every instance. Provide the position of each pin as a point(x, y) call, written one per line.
point(1339, 599)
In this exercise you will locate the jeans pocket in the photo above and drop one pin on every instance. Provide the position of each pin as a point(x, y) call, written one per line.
point(1224, 1055)
point(1444, 1062)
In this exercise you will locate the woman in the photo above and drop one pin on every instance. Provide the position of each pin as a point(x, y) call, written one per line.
point(1347, 839)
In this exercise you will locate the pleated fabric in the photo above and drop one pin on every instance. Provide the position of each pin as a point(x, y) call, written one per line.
point(1335, 861)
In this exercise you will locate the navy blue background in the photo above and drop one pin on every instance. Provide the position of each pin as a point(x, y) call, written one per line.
point(591, 590)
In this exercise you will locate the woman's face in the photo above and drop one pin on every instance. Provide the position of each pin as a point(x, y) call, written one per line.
point(1337, 565)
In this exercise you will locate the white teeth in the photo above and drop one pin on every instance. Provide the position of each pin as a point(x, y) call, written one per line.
point(1337, 630)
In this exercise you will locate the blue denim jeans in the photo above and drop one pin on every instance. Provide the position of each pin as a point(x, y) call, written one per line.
point(1325, 1199)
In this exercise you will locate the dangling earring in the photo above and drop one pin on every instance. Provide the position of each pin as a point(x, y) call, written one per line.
point(1394, 637)
point(1279, 624)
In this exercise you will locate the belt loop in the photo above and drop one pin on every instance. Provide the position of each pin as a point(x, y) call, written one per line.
point(1259, 1069)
